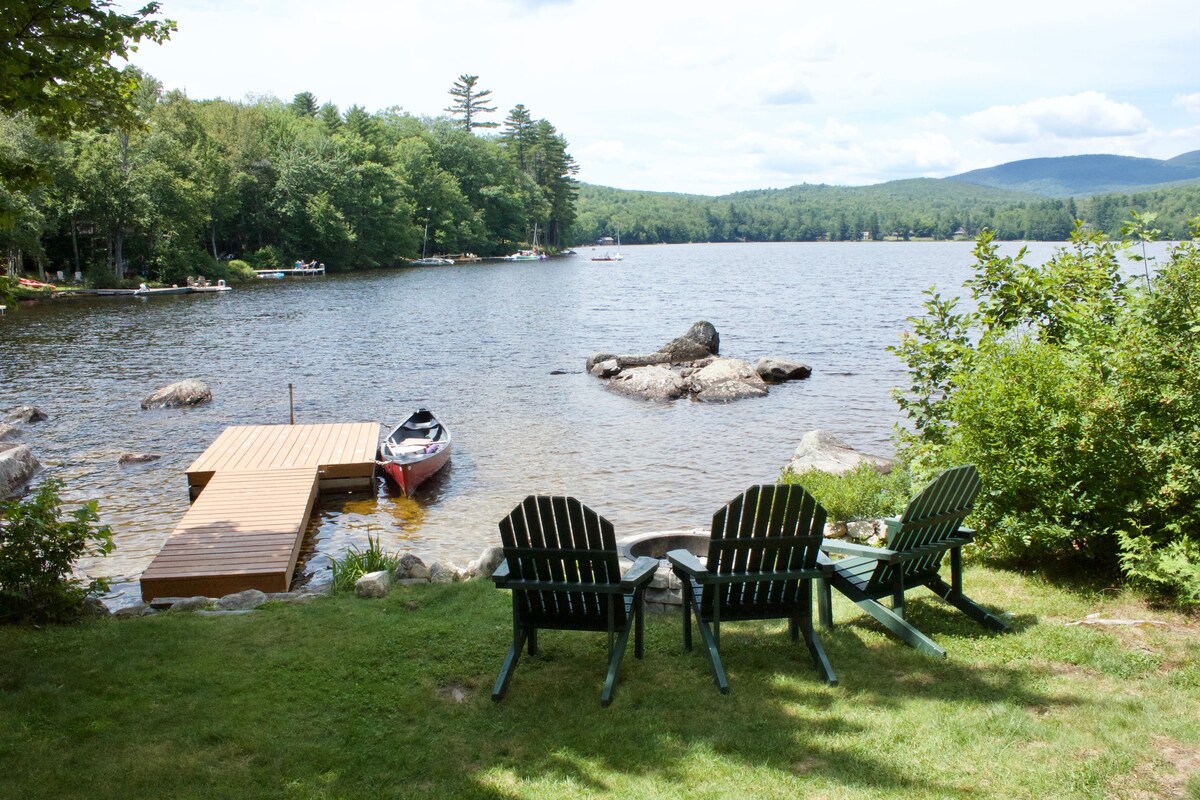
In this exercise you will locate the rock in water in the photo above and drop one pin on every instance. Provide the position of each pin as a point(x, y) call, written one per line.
point(183, 393)
point(18, 465)
point(823, 451)
point(778, 370)
point(26, 414)
point(651, 383)
point(727, 379)
point(137, 458)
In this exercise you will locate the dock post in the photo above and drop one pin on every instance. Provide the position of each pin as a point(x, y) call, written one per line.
point(291, 406)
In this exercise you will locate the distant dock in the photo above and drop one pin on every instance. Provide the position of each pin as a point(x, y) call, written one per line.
point(272, 273)
point(253, 492)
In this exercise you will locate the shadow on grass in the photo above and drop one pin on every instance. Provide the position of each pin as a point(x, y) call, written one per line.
point(780, 727)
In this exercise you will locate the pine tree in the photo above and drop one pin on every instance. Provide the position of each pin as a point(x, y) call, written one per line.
point(469, 104)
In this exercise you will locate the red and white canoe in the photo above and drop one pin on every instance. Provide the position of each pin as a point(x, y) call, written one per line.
point(415, 450)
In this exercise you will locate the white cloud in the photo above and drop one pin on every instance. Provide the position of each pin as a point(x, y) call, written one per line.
point(1085, 115)
point(1188, 102)
point(698, 96)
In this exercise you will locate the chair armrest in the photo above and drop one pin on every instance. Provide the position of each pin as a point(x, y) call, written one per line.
point(640, 573)
point(684, 561)
point(851, 549)
point(500, 576)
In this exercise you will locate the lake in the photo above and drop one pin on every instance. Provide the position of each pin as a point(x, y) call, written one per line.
point(478, 344)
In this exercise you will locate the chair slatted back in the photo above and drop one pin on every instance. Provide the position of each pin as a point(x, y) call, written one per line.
point(561, 541)
point(765, 530)
point(932, 517)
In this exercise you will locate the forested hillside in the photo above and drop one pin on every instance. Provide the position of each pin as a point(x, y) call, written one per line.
point(1078, 176)
point(920, 208)
point(189, 184)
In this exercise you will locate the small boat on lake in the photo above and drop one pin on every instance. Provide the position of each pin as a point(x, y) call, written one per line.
point(145, 291)
point(417, 448)
point(612, 256)
point(431, 261)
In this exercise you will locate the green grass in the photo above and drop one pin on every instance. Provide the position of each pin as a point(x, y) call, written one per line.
point(347, 698)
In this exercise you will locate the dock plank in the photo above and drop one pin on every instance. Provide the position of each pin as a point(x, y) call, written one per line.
point(254, 489)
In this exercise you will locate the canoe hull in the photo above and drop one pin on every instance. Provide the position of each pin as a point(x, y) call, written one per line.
point(408, 477)
point(417, 448)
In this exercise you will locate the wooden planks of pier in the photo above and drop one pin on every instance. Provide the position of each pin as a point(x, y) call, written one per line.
point(253, 491)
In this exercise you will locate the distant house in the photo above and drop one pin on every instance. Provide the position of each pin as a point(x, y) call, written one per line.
point(961, 233)
point(605, 240)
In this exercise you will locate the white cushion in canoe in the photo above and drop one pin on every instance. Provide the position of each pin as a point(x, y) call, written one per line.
point(414, 442)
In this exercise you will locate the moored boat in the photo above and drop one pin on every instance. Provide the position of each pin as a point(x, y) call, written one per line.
point(417, 448)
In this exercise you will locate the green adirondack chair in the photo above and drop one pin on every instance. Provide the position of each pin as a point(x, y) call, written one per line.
point(561, 564)
point(762, 561)
point(917, 541)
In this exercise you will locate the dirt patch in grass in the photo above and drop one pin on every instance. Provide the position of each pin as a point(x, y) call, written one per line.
point(456, 693)
point(1166, 775)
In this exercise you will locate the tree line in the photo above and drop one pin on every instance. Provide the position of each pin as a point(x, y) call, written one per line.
point(179, 186)
point(922, 208)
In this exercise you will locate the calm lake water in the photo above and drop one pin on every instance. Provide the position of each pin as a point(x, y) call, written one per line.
point(478, 345)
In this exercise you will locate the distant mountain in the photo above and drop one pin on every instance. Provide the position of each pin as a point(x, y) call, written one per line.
point(1082, 176)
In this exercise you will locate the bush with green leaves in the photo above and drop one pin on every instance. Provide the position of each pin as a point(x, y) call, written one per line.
point(39, 544)
point(356, 562)
point(239, 271)
point(1077, 395)
point(859, 493)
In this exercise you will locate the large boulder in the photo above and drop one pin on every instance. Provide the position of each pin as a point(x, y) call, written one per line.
point(25, 414)
point(823, 451)
point(651, 383)
point(18, 465)
point(374, 584)
point(778, 370)
point(183, 393)
point(727, 379)
point(411, 566)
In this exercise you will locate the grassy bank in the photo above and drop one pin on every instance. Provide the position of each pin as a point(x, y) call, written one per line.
point(352, 698)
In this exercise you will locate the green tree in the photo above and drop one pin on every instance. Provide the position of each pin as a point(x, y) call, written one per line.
point(469, 103)
point(55, 62)
point(304, 104)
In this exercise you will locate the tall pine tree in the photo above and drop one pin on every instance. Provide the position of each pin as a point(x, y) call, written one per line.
point(469, 103)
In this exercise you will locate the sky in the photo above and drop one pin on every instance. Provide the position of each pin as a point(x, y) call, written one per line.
point(708, 98)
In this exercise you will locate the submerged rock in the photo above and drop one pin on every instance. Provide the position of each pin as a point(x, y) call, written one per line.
point(8, 431)
point(823, 451)
point(25, 414)
point(183, 393)
point(137, 458)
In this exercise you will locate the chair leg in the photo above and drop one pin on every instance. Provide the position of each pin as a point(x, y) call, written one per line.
point(510, 664)
point(688, 599)
point(967, 605)
point(533, 645)
point(639, 612)
point(814, 644)
point(825, 603)
point(614, 662)
point(899, 626)
point(714, 656)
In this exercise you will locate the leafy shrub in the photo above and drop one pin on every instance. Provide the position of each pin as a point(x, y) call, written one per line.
point(860, 493)
point(357, 562)
point(6, 292)
point(1078, 398)
point(268, 257)
point(38, 546)
point(239, 271)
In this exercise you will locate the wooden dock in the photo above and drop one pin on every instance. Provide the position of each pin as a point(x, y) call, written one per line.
point(253, 491)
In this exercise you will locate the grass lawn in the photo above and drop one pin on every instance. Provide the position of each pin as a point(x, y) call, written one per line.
point(347, 698)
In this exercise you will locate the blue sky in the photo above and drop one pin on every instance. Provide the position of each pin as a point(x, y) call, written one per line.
point(706, 97)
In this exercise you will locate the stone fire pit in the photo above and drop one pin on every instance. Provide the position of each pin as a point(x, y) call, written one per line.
point(663, 595)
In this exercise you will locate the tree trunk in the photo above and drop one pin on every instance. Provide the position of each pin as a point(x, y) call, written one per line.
point(119, 253)
point(214, 241)
point(75, 240)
